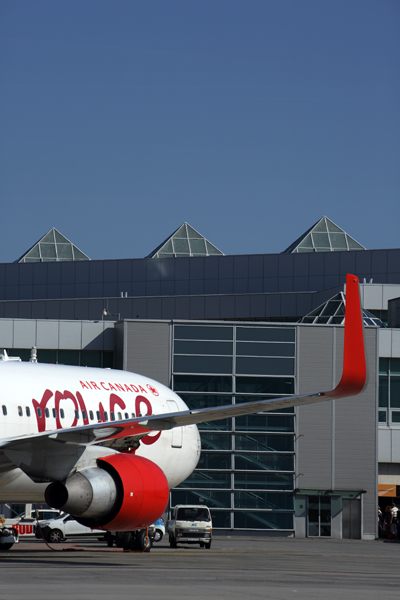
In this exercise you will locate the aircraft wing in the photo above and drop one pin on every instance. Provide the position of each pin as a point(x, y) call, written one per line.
point(27, 451)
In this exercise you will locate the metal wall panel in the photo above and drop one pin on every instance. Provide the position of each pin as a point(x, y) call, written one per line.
point(147, 348)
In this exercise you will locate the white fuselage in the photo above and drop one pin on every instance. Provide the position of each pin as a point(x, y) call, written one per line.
point(37, 398)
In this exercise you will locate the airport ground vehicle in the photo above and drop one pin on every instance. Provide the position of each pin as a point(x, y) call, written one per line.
point(8, 535)
point(190, 524)
point(63, 527)
point(160, 530)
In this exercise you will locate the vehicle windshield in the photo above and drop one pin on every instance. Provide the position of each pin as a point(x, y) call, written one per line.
point(193, 514)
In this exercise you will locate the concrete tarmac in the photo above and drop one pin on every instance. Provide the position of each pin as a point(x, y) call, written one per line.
point(234, 568)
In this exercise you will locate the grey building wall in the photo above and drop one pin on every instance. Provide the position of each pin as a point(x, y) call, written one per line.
point(337, 441)
point(147, 349)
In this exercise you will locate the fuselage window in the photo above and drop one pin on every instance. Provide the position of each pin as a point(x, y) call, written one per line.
point(76, 414)
point(98, 415)
point(84, 415)
point(20, 411)
point(54, 413)
point(112, 416)
point(28, 411)
point(91, 416)
point(105, 415)
point(39, 412)
point(62, 413)
point(4, 409)
point(47, 412)
point(133, 415)
point(119, 416)
point(126, 415)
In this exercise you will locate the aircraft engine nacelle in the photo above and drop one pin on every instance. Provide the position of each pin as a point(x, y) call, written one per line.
point(123, 493)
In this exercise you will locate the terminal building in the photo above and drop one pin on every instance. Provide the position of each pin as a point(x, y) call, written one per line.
point(222, 329)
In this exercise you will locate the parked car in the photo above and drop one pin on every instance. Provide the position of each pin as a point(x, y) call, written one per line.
point(160, 530)
point(25, 523)
point(63, 527)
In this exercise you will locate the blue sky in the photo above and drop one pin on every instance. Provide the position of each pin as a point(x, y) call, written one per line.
point(248, 119)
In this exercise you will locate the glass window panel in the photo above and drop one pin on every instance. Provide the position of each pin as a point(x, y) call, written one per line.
point(216, 441)
point(394, 391)
point(264, 442)
point(265, 385)
point(338, 241)
point(34, 253)
point(212, 249)
point(321, 240)
point(64, 251)
point(221, 519)
point(196, 401)
point(202, 364)
point(266, 480)
point(267, 366)
point(212, 499)
point(265, 334)
point(108, 360)
point(90, 358)
point(263, 520)
point(181, 246)
point(353, 245)
point(395, 416)
point(264, 349)
point(244, 399)
point(382, 416)
point(269, 422)
point(202, 383)
point(215, 461)
point(48, 250)
point(321, 226)
point(220, 425)
point(395, 366)
point(24, 355)
point(260, 500)
point(199, 332)
point(203, 347)
point(198, 246)
point(47, 356)
point(306, 243)
point(258, 461)
point(207, 479)
point(68, 357)
point(383, 366)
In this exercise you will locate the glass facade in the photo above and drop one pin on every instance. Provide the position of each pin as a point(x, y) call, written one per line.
point(389, 391)
point(246, 469)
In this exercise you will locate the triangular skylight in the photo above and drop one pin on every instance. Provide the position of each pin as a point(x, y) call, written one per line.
point(331, 312)
point(185, 241)
point(52, 247)
point(324, 236)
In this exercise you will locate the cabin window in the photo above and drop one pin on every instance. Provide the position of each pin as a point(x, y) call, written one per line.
point(98, 415)
point(28, 411)
point(91, 416)
point(84, 415)
point(47, 412)
point(76, 414)
point(54, 413)
point(105, 415)
point(62, 413)
point(4, 409)
point(112, 416)
point(20, 411)
point(133, 415)
point(119, 416)
point(126, 415)
point(39, 412)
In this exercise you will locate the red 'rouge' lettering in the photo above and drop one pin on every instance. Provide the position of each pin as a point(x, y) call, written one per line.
point(41, 421)
point(116, 400)
point(83, 408)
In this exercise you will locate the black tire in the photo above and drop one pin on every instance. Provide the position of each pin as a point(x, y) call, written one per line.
point(6, 546)
point(158, 536)
point(201, 544)
point(143, 541)
point(127, 540)
point(109, 538)
point(172, 541)
point(54, 536)
point(208, 545)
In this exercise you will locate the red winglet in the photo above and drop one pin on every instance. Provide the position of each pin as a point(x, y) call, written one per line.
point(354, 365)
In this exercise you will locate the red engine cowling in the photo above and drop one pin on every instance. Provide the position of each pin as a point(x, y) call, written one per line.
point(145, 491)
point(123, 493)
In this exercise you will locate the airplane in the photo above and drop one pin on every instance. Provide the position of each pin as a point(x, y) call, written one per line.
point(107, 445)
